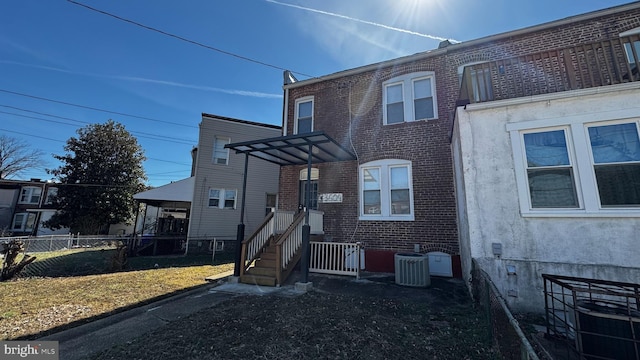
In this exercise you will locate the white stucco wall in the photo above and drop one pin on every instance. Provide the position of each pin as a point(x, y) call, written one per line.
point(580, 244)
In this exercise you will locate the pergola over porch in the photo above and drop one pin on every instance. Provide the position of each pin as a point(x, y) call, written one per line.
point(300, 149)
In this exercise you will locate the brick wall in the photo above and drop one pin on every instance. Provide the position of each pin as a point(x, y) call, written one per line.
point(349, 109)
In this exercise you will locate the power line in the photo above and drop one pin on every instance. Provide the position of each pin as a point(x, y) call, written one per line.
point(185, 39)
point(95, 109)
point(142, 134)
point(62, 141)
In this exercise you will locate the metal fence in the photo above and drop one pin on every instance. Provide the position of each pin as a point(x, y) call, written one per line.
point(504, 329)
point(35, 244)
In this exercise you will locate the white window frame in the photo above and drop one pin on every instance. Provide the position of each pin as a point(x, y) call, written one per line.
point(25, 216)
point(385, 167)
point(579, 148)
point(222, 199)
point(297, 115)
point(27, 192)
point(216, 141)
point(408, 95)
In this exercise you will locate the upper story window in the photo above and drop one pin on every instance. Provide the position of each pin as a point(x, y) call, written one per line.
point(220, 154)
point(52, 192)
point(304, 115)
point(30, 195)
point(579, 168)
point(478, 77)
point(632, 48)
point(410, 97)
point(386, 190)
point(223, 198)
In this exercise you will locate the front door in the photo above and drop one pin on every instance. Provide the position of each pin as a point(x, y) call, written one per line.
point(313, 203)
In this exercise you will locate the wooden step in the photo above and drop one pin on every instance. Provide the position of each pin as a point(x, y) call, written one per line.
point(266, 263)
point(268, 256)
point(258, 280)
point(265, 271)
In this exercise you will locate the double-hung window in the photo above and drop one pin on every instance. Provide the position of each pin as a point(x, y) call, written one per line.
point(409, 97)
point(386, 191)
point(615, 151)
point(549, 170)
point(590, 168)
point(30, 195)
point(304, 115)
point(220, 154)
point(223, 198)
point(23, 222)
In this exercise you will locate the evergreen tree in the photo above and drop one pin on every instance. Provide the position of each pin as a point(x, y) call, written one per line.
point(101, 171)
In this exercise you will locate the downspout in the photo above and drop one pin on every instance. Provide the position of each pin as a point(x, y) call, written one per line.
point(285, 111)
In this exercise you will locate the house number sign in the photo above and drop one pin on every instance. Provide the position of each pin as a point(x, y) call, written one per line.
point(330, 198)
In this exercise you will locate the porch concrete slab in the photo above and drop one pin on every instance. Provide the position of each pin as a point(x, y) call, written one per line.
point(304, 287)
point(245, 289)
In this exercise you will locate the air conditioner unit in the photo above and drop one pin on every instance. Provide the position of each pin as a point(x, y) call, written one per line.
point(412, 270)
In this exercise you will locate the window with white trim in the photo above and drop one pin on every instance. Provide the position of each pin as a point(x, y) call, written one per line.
point(550, 171)
point(304, 116)
point(581, 168)
point(220, 154)
point(23, 222)
point(30, 195)
point(386, 190)
point(615, 155)
point(410, 97)
point(223, 198)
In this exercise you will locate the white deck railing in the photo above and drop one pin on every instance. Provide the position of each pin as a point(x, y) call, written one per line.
point(336, 258)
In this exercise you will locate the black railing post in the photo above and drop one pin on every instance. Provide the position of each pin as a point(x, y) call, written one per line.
point(240, 231)
point(306, 229)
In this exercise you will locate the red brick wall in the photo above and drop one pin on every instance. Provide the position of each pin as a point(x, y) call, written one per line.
point(357, 100)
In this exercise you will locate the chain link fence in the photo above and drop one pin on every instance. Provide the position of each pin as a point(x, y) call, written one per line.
point(504, 329)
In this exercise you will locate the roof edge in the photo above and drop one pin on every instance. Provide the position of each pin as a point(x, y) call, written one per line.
point(474, 42)
point(247, 122)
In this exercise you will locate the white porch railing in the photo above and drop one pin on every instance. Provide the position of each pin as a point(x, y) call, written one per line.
point(288, 248)
point(336, 258)
point(283, 220)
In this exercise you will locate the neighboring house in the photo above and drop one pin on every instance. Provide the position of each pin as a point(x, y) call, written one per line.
point(397, 118)
point(217, 195)
point(547, 154)
point(206, 206)
point(25, 206)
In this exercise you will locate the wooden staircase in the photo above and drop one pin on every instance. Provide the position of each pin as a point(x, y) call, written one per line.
point(263, 272)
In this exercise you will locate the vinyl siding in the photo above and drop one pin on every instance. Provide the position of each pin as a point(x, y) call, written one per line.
point(262, 179)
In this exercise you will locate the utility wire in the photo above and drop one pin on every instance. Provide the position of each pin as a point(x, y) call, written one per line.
point(62, 141)
point(142, 134)
point(95, 109)
point(186, 40)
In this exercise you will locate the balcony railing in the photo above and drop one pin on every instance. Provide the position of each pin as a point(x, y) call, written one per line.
point(606, 62)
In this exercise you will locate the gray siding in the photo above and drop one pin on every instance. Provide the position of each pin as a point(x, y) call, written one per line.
point(262, 179)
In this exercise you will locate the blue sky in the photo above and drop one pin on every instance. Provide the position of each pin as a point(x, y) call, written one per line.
point(61, 51)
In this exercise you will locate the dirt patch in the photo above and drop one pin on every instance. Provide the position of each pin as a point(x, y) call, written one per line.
point(368, 319)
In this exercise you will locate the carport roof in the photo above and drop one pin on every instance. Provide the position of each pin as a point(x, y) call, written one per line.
point(295, 149)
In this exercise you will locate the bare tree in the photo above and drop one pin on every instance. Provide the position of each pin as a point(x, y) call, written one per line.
point(16, 156)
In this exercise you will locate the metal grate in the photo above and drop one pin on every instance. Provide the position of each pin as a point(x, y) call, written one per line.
point(412, 270)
